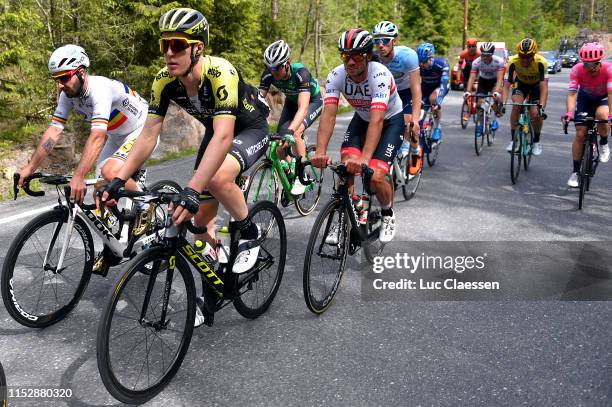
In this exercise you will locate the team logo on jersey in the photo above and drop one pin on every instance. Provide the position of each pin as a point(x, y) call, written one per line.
point(214, 72)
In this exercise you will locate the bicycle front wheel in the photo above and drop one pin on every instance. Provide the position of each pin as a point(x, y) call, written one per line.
point(528, 147)
point(479, 135)
point(411, 182)
point(373, 247)
point(255, 290)
point(309, 200)
point(146, 328)
point(325, 256)
point(465, 114)
point(35, 292)
point(516, 155)
point(263, 184)
point(585, 165)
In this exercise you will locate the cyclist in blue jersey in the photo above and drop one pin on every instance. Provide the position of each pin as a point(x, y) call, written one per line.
point(404, 65)
point(303, 103)
point(434, 82)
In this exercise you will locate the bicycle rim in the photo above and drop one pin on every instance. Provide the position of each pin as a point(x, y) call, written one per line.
point(256, 289)
point(583, 179)
point(138, 358)
point(479, 141)
point(309, 200)
point(38, 295)
point(263, 184)
point(465, 114)
point(411, 182)
point(324, 262)
point(528, 147)
point(515, 156)
point(373, 247)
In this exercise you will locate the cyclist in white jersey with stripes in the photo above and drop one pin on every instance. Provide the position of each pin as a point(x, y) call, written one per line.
point(115, 112)
point(375, 133)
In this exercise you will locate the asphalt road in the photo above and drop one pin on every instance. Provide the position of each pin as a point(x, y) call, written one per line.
point(363, 352)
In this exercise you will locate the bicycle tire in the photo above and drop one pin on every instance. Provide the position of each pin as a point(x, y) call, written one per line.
point(373, 247)
point(516, 155)
point(74, 284)
point(434, 149)
point(3, 399)
point(583, 179)
point(265, 181)
point(251, 303)
point(490, 135)
point(411, 183)
point(479, 141)
point(301, 204)
point(528, 148)
point(320, 289)
point(118, 309)
point(465, 108)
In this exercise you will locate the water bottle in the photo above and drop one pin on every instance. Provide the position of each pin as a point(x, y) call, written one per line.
point(358, 203)
point(223, 244)
point(363, 216)
point(207, 252)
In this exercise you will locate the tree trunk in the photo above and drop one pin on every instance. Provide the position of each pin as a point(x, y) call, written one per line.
point(74, 6)
point(275, 8)
point(307, 31)
point(317, 33)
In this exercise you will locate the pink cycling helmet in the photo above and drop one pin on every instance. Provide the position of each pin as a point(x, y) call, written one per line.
point(591, 52)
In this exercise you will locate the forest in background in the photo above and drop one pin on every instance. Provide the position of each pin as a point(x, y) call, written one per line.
point(121, 37)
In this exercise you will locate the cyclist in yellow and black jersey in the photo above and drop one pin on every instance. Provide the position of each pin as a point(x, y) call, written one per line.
point(211, 90)
point(528, 76)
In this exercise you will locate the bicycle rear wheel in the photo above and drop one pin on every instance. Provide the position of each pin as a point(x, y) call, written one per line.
point(479, 137)
point(516, 155)
point(465, 114)
point(263, 184)
point(38, 295)
point(255, 290)
point(309, 200)
point(411, 182)
point(138, 350)
point(325, 256)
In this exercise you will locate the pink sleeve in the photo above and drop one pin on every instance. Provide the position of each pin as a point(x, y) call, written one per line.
point(574, 82)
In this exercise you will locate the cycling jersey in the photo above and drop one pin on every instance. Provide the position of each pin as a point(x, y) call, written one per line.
point(537, 70)
point(299, 81)
point(404, 62)
point(593, 86)
point(377, 92)
point(465, 56)
point(490, 70)
point(436, 76)
point(222, 93)
point(107, 104)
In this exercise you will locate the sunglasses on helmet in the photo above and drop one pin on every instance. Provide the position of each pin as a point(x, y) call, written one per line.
point(383, 41)
point(176, 44)
point(64, 77)
point(355, 56)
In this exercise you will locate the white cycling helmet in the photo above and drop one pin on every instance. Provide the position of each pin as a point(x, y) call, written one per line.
point(277, 54)
point(67, 58)
point(385, 29)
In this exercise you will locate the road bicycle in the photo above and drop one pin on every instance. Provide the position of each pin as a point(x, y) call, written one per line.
point(340, 229)
point(590, 154)
point(273, 178)
point(49, 263)
point(430, 147)
point(522, 140)
point(483, 122)
point(146, 328)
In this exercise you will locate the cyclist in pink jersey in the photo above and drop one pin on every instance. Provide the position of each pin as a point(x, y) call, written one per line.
point(589, 94)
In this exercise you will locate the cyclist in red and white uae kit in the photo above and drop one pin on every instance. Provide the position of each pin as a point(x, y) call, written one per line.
point(375, 133)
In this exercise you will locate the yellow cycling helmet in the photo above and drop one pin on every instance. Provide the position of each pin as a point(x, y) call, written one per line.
point(527, 46)
point(185, 20)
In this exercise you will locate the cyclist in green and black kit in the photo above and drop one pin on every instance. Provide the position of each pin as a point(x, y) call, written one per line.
point(303, 103)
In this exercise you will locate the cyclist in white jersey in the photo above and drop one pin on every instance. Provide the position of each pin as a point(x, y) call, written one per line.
point(403, 63)
point(376, 131)
point(112, 108)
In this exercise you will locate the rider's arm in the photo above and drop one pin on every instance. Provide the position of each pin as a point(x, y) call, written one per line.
point(443, 83)
point(326, 127)
point(91, 150)
point(417, 95)
point(500, 81)
point(377, 118)
point(509, 81)
point(543, 68)
point(300, 115)
point(220, 144)
point(45, 145)
point(265, 82)
point(471, 81)
point(143, 147)
point(570, 101)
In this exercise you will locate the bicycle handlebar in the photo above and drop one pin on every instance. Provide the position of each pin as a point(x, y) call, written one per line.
point(587, 121)
point(26, 184)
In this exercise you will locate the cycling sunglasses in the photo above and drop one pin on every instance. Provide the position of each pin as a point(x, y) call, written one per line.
point(176, 44)
point(277, 68)
point(471, 46)
point(355, 56)
point(383, 41)
point(526, 56)
point(591, 65)
point(65, 77)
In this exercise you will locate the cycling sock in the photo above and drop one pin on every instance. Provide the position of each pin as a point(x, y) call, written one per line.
point(576, 165)
point(386, 211)
point(536, 137)
point(603, 141)
point(248, 230)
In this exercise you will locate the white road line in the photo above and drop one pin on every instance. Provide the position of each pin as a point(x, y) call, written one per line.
point(25, 214)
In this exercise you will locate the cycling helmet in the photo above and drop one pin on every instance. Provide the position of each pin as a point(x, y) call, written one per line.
point(185, 20)
point(527, 46)
point(277, 54)
point(487, 48)
point(385, 29)
point(591, 52)
point(425, 51)
point(67, 58)
point(355, 40)
point(472, 41)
